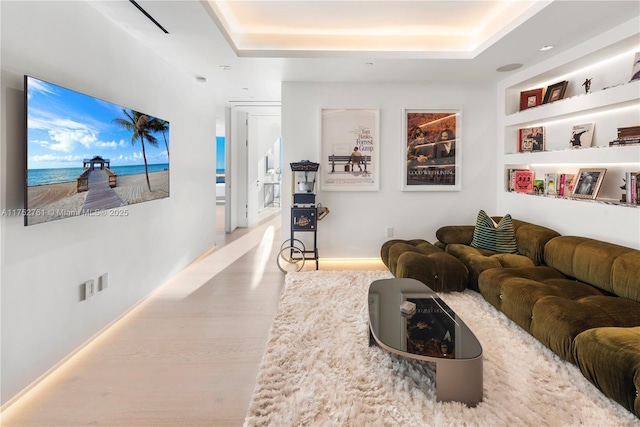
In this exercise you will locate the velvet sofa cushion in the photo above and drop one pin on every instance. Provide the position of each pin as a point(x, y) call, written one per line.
point(386, 247)
point(610, 267)
point(420, 260)
point(515, 291)
point(610, 359)
point(478, 260)
point(557, 320)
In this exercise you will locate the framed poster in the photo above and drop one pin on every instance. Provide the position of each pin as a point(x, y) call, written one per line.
point(431, 143)
point(350, 150)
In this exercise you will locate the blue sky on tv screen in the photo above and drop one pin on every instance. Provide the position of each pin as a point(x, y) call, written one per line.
point(65, 127)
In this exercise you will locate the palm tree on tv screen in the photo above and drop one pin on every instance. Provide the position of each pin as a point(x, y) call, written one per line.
point(141, 127)
point(162, 126)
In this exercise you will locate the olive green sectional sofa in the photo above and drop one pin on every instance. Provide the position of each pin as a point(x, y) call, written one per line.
point(580, 297)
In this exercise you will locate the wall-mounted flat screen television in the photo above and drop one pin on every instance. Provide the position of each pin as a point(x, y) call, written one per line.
point(86, 156)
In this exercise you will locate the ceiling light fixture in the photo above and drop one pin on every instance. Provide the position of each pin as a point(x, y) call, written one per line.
point(201, 79)
point(508, 67)
point(225, 67)
point(546, 48)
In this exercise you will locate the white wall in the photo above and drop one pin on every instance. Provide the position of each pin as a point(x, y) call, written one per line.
point(42, 266)
point(356, 226)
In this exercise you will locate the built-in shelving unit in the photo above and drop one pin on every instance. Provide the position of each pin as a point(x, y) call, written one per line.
point(613, 102)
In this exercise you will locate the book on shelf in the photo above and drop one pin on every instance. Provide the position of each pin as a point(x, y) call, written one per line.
point(582, 135)
point(632, 187)
point(538, 186)
point(625, 141)
point(635, 70)
point(531, 139)
point(550, 183)
point(511, 178)
point(565, 184)
point(629, 132)
point(523, 181)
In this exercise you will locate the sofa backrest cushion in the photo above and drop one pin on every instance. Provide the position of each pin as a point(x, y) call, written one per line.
point(531, 239)
point(607, 266)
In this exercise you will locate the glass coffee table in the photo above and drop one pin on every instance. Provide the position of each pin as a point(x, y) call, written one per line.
point(432, 333)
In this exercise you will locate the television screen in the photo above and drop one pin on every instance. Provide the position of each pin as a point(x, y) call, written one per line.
point(86, 156)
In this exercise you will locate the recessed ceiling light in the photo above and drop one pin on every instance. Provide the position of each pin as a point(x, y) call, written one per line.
point(225, 67)
point(369, 64)
point(201, 79)
point(547, 47)
point(508, 67)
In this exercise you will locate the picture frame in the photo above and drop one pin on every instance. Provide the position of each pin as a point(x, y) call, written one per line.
point(555, 92)
point(431, 141)
point(531, 98)
point(350, 148)
point(588, 182)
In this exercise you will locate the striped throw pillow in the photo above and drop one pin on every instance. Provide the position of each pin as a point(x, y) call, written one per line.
point(499, 237)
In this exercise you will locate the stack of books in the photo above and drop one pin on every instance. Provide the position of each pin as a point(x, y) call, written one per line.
point(632, 187)
point(627, 136)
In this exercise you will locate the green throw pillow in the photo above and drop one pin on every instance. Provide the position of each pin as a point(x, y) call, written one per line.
point(499, 237)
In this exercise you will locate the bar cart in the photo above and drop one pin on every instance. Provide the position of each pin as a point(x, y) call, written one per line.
point(305, 215)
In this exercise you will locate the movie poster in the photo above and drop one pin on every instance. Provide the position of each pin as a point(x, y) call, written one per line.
point(432, 145)
point(350, 145)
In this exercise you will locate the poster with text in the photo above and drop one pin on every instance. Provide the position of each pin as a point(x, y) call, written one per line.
point(431, 142)
point(350, 150)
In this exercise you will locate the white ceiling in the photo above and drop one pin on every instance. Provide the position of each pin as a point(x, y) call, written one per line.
point(247, 48)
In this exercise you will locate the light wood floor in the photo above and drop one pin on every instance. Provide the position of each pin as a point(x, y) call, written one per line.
point(187, 356)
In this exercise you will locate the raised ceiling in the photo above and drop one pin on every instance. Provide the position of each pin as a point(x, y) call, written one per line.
point(427, 29)
point(228, 42)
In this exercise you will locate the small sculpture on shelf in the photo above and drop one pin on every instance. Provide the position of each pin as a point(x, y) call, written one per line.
point(587, 85)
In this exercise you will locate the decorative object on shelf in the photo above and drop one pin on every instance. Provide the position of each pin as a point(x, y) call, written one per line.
point(550, 183)
point(531, 139)
point(565, 184)
point(523, 181)
point(582, 135)
point(635, 71)
point(350, 150)
point(555, 92)
point(588, 183)
point(627, 136)
point(530, 98)
point(587, 85)
point(433, 156)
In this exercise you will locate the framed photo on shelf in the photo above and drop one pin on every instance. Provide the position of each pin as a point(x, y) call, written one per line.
point(555, 92)
point(588, 182)
point(431, 143)
point(530, 98)
point(350, 149)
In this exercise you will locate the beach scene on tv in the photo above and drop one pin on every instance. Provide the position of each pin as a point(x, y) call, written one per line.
point(86, 156)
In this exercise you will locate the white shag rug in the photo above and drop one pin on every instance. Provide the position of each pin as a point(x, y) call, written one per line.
point(319, 370)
